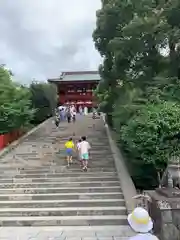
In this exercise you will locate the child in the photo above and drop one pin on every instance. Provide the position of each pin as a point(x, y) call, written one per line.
point(78, 150)
point(69, 145)
point(140, 221)
point(84, 150)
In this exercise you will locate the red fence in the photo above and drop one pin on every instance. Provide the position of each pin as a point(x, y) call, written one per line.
point(8, 138)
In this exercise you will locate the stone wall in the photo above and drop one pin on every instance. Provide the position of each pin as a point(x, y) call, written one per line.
point(166, 217)
point(127, 184)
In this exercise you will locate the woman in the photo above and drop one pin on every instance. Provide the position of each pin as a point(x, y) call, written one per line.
point(140, 221)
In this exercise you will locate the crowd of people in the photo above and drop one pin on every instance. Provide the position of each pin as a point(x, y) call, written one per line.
point(65, 113)
point(68, 113)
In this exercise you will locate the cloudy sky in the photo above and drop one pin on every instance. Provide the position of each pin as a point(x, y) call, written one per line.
point(41, 38)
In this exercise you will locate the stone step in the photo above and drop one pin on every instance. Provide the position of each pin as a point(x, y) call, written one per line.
point(64, 169)
point(76, 165)
point(60, 179)
point(60, 159)
point(92, 164)
point(45, 190)
point(60, 196)
point(54, 211)
point(93, 160)
point(51, 152)
point(59, 184)
point(58, 175)
point(53, 169)
point(64, 220)
point(97, 151)
point(62, 203)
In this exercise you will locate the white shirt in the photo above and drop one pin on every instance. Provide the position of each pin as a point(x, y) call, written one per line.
point(144, 236)
point(84, 147)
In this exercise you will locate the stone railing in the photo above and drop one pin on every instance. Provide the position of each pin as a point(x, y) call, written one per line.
point(127, 184)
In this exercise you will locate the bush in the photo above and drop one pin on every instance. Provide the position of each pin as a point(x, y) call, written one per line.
point(148, 137)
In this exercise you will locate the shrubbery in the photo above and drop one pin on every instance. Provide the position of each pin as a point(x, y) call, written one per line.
point(148, 137)
point(139, 90)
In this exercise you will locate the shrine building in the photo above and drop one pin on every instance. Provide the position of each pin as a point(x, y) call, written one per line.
point(76, 88)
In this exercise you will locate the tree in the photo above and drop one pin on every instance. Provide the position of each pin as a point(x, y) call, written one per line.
point(43, 99)
point(149, 134)
point(139, 44)
point(131, 36)
point(15, 111)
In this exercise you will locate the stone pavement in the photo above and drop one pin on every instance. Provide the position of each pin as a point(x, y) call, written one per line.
point(68, 233)
point(40, 198)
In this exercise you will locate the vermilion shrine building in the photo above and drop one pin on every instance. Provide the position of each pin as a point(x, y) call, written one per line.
point(76, 88)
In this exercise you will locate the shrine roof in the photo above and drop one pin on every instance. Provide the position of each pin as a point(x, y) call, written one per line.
point(77, 76)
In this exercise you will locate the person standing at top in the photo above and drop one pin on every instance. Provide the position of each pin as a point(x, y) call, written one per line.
point(141, 223)
point(80, 110)
point(57, 119)
point(60, 114)
point(68, 115)
point(85, 110)
point(74, 115)
point(84, 148)
point(63, 113)
point(69, 145)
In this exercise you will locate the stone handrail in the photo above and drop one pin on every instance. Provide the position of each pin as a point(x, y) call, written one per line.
point(127, 184)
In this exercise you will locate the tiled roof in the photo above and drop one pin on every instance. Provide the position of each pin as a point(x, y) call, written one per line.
point(77, 76)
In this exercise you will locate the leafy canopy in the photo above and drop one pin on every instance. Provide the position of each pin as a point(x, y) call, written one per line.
point(15, 110)
point(43, 99)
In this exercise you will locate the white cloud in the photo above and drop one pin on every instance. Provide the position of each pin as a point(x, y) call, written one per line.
point(41, 38)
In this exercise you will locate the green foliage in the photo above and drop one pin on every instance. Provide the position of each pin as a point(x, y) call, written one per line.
point(139, 90)
point(15, 111)
point(146, 133)
point(44, 100)
point(21, 106)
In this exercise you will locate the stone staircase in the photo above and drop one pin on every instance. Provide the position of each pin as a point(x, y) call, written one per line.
point(37, 189)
